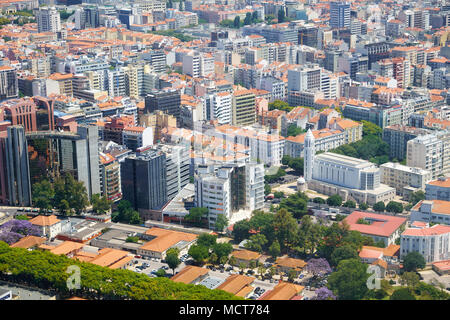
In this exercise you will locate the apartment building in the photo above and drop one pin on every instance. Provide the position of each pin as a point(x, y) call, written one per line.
point(9, 86)
point(435, 211)
point(324, 140)
point(244, 108)
point(438, 189)
point(433, 243)
point(397, 136)
point(404, 179)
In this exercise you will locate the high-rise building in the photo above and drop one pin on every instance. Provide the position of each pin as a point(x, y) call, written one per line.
point(144, 181)
point(227, 189)
point(17, 167)
point(167, 101)
point(48, 19)
point(244, 108)
point(9, 87)
point(339, 14)
point(309, 155)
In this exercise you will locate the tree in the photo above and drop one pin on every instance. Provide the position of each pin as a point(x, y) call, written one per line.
point(241, 230)
point(394, 206)
point(285, 228)
point(221, 223)
point(132, 239)
point(343, 253)
point(43, 194)
point(363, 206)
point(196, 215)
point(206, 240)
point(319, 200)
point(267, 189)
point(292, 275)
point(248, 19)
point(254, 16)
point(100, 205)
point(413, 261)
point(403, 294)
point(14, 230)
point(371, 129)
point(309, 235)
point(349, 280)
point(281, 16)
point(125, 213)
point(237, 22)
point(417, 196)
point(222, 249)
point(324, 293)
point(198, 253)
point(296, 204)
point(280, 105)
point(70, 195)
point(349, 204)
point(410, 279)
point(172, 259)
point(256, 243)
point(293, 130)
point(161, 273)
point(278, 194)
point(379, 206)
point(318, 267)
point(334, 200)
point(274, 249)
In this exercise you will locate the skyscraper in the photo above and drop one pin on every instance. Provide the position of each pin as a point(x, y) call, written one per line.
point(48, 19)
point(17, 167)
point(167, 101)
point(339, 15)
point(309, 155)
point(9, 87)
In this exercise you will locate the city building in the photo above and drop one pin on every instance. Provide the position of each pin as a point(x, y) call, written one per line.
point(49, 226)
point(438, 189)
point(404, 179)
point(349, 177)
point(431, 242)
point(435, 211)
point(380, 227)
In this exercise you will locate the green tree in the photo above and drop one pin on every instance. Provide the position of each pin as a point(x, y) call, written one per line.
point(349, 204)
point(248, 19)
point(309, 235)
point(256, 242)
point(293, 130)
point(417, 196)
point(403, 294)
point(343, 253)
point(296, 204)
point(274, 249)
point(281, 16)
point(161, 273)
point(207, 240)
point(241, 230)
point(43, 194)
point(100, 205)
point(280, 105)
point(410, 279)
point(363, 206)
point(125, 213)
point(221, 223)
point(198, 253)
point(278, 194)
point(237, 22)
point(334, 200)
point(172, 259)
point(413, 261)
point(319, 200)
point(394, 206)
point(132, 239)
point(349, 280)
point(371, 129)
point(267, 189)
point(222, 249)
point(379, 206)
point(196, 215)
point(254, 16)
point(285, 227)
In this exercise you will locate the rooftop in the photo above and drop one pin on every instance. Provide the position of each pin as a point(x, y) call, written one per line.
point(381, 225)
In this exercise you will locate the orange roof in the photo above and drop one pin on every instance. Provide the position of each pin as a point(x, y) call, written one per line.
point(290, 263)
point(441, 183)
point(437, 229)
point(111, 258)
point(189, 274)
point(67, 247)
point(236, 284)
point(283, 291)
point(44, 220)
point(165, 239)
point(28, 242)
point(245, 255)
point(381, 225)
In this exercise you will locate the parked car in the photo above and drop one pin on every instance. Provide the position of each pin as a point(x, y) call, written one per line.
point(138, 257)
point(20, 209)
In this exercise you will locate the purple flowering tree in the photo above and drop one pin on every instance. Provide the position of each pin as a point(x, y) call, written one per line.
point(14, 230)
point(318, 267)
point(324, 293)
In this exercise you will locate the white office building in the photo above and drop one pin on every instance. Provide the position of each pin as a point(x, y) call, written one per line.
point(431, 242)
point(404, 179)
